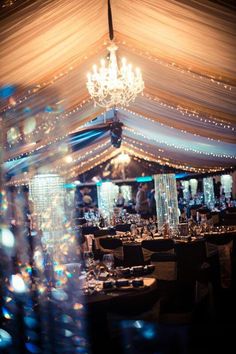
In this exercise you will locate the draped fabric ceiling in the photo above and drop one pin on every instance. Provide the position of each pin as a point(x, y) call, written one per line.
point(185, 117)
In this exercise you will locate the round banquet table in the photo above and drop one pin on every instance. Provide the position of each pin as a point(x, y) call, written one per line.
point(124, 301)
point(110, 298)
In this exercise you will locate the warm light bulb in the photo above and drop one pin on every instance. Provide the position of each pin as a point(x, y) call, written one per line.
point(68, 159)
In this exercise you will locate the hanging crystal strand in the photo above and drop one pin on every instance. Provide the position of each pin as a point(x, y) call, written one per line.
point(14, 287)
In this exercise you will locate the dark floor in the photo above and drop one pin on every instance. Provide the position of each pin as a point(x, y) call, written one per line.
point(211, 330)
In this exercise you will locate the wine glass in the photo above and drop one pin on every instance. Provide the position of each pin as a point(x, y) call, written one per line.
point(153, 229)
point(140, 230)
point(108, 261)
point(133, 230)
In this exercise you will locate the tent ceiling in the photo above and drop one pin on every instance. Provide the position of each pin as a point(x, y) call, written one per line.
point(186, 50)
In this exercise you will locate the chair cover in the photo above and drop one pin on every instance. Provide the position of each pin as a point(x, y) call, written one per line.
point(149, 247)
point(165, 270)
point(109, 245)
point(225, 259)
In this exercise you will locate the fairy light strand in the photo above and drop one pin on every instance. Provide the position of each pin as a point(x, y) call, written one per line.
point(162, 161)
point(192, 113)
point(159, 141)
point(56, 120)
point(59, 167)
point(48, 143)
point(21, 98)
point(211, 79)
point(219, 81)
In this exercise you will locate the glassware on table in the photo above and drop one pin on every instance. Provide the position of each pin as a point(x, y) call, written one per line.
point(133, 230)
point(96, 269)
point(153, 228)
point(88, 259)
point(108, 261)
point(198, 230)
point(140, 231)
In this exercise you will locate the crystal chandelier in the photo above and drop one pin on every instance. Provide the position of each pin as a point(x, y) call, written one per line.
point(112, 85)
point(123, 159)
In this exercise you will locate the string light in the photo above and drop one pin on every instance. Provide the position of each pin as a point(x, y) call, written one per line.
point(40, 86)
point(109, 153)
point(188, 112)
point(219, 81)
point(84, 102)
point(226, 156)
point(47, 126)
point(164, 161)
point(96, 157)
point(211, 79)
point(59, 167)
point(101, 160)
point(193, 114)
point(82, 156)
point(52, 123)
point(205, 121)
point(47, 143)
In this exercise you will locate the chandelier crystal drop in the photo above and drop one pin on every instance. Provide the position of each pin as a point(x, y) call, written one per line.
point(111, 86)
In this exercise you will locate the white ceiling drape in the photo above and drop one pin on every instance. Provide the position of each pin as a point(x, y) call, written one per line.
point(185, 49)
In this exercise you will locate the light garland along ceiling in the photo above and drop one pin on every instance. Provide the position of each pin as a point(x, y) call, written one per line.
point(185, 49)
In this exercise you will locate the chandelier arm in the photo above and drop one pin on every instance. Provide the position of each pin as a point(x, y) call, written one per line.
point(110, 24)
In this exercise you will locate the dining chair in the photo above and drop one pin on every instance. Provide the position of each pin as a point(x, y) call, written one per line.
point(223, 247)
point(87, 230)
point(159, 247)
point(122, 227)
point(104, 232)
point(192, 289)
point(111, 245)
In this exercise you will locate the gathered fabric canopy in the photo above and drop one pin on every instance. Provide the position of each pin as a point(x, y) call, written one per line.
point(185, 50)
